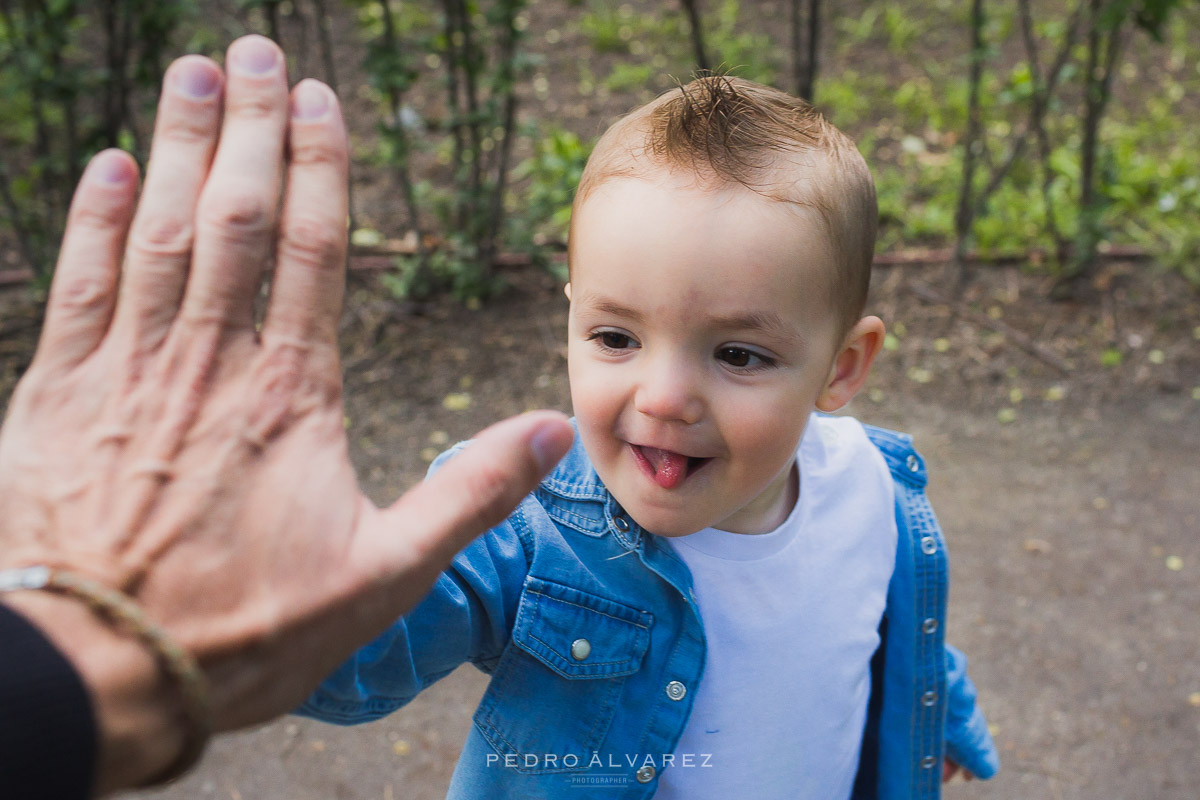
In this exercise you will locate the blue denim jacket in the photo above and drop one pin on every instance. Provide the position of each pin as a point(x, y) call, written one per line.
point(590, 631)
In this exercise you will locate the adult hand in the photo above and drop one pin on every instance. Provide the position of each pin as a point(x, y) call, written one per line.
point(163, 446)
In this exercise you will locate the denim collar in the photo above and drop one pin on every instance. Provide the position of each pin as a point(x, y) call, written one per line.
point(573, 495)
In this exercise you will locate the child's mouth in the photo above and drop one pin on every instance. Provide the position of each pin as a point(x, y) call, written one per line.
point(667, 468)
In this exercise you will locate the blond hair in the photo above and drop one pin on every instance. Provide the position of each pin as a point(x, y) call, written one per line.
point(728, 131)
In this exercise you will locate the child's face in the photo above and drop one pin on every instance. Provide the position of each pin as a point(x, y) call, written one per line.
point(702, 335)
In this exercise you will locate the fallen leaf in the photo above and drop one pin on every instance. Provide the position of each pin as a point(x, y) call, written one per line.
point(995, 312)
point(1157, 551)
point(1038, 546)
point(890, 342)
point(457, 401)
point(465, 382)
point(941, 345)
point(366, 237)
point(401, 747)
point(1194, 699)
point(919, 375)
point(1196, 392)
point(1015, 395)
point(875, 394)
point(1174, 563)
point(345, 422)
point(1111, 358)
point(1006, 415)
point(1056, 393)
point(1156, 356)
point(1100, 503)
point(429, 454)
point(317, 746)
point(439, 438)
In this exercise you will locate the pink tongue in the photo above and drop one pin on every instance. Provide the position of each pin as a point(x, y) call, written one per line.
point(669, 468)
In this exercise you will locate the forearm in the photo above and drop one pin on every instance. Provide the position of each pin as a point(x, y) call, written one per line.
point(465, 618)
point(968, 741)
point(136, 708)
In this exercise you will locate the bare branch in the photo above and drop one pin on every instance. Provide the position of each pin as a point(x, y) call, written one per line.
point(695, 23)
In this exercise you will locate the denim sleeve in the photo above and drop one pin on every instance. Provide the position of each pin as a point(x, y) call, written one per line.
point(968, 742)
point(466, 617)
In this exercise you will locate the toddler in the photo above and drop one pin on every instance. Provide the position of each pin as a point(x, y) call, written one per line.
point(719, 592)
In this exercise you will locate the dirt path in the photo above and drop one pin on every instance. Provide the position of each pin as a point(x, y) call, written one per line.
point(1073, 533)
point(1083, 641)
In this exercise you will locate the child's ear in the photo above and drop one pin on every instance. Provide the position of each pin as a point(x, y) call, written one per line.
point(852, 363)
point(567, 291)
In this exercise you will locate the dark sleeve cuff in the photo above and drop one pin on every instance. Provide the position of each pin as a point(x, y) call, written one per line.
point(47, 730)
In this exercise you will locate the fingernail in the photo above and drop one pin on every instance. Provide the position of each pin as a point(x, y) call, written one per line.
point(549, 445)
point(254, 55)
point(110, 166)
point(310, 101)
point(195, 78)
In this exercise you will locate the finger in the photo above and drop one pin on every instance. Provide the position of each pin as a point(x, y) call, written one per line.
point(160, 242)
point(84, 289)
point(306, 292)
point(474, 490)
point(235, 219)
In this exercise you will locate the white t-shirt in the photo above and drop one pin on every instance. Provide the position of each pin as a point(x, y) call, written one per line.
point(791, 620)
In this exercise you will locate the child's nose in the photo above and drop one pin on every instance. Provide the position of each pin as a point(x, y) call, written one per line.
point(670, 393)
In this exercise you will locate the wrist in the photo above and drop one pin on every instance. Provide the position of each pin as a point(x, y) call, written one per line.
point(140, 723)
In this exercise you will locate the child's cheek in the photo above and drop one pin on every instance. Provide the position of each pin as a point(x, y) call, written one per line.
point(765, 435)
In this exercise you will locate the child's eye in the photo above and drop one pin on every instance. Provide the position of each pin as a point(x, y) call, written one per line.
point(613, 340)
point(742, 358)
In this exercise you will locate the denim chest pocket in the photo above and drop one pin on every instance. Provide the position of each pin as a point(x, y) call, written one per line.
point(554, 692)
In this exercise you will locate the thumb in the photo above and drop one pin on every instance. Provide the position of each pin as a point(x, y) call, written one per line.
point(474, 491)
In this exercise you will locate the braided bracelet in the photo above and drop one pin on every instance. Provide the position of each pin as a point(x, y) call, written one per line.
point(120, 610)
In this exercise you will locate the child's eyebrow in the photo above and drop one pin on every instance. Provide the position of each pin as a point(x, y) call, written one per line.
point(762, 322)
point(616, 309)
point(766, 323)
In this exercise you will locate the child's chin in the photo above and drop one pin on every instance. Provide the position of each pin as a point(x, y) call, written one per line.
point(670, 526)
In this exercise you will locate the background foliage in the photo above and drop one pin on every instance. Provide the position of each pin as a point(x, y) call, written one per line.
point(1047, 133)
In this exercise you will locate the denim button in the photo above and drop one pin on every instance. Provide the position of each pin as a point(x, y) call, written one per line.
point(929, 698)
point(913, 463)
point(581, 649)
point(676, 690)
point(928, 762)
point(622, 524)
point(645, 774)
point(928, 545)
point(929, 625)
